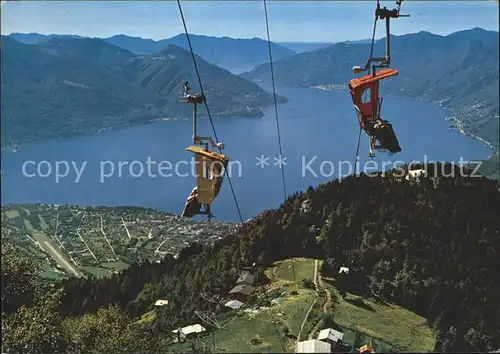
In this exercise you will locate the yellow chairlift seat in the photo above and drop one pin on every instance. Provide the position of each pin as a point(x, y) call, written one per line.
point(193, 206)
point(210, 168)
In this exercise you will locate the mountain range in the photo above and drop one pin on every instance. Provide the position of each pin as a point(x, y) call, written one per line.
point(234, 54)
point(68, 86)
point(460, 71)
point(300, 47)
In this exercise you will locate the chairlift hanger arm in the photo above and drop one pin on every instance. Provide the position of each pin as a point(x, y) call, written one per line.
point(199, 140)
point(195, 100)
point(387, 14)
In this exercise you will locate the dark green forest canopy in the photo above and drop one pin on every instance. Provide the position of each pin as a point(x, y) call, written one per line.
point(432, 247)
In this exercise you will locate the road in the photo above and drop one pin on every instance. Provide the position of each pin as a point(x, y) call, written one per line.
point(109, 243)
point(328, 303)
point(126, 228)
point(85, 243)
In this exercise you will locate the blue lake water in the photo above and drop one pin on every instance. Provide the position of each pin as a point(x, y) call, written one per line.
point(315, 125)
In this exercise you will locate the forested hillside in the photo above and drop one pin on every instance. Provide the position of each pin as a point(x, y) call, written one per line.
point(431, 247)
point(72, 86)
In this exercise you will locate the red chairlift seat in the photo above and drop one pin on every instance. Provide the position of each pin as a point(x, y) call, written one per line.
point(369, 111)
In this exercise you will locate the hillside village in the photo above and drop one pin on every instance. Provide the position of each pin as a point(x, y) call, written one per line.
point(238, 303)
point(99, 241)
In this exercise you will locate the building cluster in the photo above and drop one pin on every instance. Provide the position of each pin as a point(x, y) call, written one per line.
point(238, 295)
point(242, 290)
point(414, 175)
point(329, 340)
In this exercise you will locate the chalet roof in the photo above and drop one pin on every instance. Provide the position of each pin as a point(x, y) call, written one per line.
point(234, 304)
point(313, 346)
point(330, 334)
point(242, 289)
point(245, 277)
point(196, 328)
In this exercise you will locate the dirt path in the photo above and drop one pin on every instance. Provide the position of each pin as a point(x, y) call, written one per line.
point(85, 243)
point(107, 240)
point(312, 304)
point(328, 303)
point(326, 306)
point(126, 228)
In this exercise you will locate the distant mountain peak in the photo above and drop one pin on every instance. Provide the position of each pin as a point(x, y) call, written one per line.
point(478, 31)
point(121, 35)
point(172, 48)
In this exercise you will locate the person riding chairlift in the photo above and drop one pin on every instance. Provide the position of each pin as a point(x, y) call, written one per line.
point(187, 90)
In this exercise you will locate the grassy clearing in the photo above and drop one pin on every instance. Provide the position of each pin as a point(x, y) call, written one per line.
point(51, 275)
point(43, 224)
point(12, 213)
point(28, 226)
point(295, 307)
point(151, 245)
point(401, 328)
point(54, 251)
point(96, 271)
point(304, 269)
point(114, 265)
point(315, 317)
point(147, 317)
point(247, 333)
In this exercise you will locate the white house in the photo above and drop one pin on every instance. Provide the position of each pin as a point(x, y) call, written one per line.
point(344, 270)
point(189, 331)
point(161, 302)
point(415, 174)
point(234, 304)
point(313, 346)
point(330, 335)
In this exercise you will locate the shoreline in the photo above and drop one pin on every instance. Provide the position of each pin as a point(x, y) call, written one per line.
point(17, 146)
point(457, 123)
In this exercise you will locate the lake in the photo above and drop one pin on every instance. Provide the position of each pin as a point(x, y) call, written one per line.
point(318, 128)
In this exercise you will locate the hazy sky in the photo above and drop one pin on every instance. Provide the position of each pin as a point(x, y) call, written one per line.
point(323, 21)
